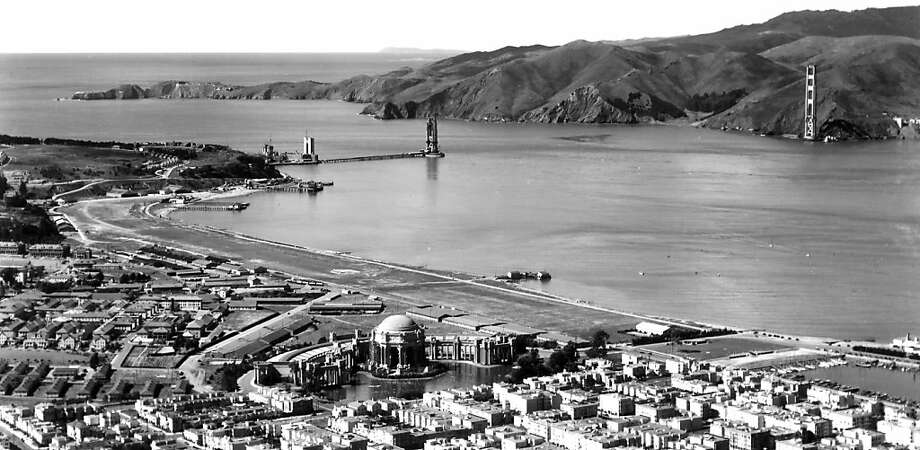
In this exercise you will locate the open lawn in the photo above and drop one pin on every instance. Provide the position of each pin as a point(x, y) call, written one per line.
point(61, 162)
point(50, 264)
point(145, 357)
point(509, 307)
point(238, 320)
point(54, 357)
point(719, 347)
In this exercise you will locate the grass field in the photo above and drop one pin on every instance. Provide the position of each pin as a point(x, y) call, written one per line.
point(54, 357)
point(60, 162)
point(719, 347)
point(551, 316)
point(238, 320)
point(145, 357)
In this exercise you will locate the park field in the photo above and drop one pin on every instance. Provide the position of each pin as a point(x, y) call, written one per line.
point(722, 347)
point(66, 163)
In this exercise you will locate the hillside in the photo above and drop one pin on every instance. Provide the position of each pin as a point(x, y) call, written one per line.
point(746, 77)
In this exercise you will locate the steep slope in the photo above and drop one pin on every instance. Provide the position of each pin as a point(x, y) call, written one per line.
point(745, 77)
point(861, 83)
point(823, 49)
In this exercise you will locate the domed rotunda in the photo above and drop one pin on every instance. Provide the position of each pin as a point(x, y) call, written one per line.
point(398, 345)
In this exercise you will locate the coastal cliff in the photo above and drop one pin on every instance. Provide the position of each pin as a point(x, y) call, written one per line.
point(748, 78)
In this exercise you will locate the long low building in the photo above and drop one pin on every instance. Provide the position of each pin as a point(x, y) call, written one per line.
point(434, 313)
point(336, 303)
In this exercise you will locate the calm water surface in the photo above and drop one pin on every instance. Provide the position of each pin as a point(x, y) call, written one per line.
point(756, 232)
point(459, 376)
point(904, 385)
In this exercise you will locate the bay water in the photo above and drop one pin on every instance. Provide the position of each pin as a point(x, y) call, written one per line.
point(728, 228)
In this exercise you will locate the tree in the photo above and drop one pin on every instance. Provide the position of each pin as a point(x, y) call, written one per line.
point(23, 190)
point(598, 345)
point(557, 361)
point(565, 358)
point(8, 274)
point(94, 360)
point(4, 184)
point(52, 171)
point(808, 437)
point(227, 375)
point(527, 365)
point(599, 339)
point(571, 351)
point(596, 352)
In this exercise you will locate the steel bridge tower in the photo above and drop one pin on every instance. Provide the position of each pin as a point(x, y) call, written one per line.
point(809, 103)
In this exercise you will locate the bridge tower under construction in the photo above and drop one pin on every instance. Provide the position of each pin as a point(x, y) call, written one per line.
point(309, 149)
point(809, 103)
point(431, 142)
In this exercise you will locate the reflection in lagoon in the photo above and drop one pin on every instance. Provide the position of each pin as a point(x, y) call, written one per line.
point(459, 375)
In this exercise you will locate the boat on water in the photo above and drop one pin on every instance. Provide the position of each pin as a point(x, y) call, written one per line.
point(238, 206)
point(516, 275)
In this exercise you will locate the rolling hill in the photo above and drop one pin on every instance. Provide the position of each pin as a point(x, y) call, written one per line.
point(746, 77)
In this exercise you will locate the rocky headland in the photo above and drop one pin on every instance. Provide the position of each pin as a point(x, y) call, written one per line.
point(747, 77)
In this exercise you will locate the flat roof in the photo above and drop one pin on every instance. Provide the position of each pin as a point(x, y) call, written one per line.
point(436, 313)
point(472, 320)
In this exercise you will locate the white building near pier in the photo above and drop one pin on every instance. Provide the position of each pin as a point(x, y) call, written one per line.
point(910, 344)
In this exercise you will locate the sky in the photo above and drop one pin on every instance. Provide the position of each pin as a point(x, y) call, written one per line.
point(70, 26)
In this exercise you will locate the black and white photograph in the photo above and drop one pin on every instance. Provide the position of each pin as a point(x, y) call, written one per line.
point(460, 225)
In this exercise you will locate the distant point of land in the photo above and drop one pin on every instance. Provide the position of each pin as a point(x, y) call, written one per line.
point(420, 51)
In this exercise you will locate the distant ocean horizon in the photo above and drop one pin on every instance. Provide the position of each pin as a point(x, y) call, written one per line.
point(729, 228)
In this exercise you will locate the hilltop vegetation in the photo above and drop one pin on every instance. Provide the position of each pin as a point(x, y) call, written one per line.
point(745, 77)
point(66, 160)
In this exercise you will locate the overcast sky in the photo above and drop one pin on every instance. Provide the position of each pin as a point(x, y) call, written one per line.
point(367, 25)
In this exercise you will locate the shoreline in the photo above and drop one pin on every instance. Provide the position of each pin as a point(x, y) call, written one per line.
point(684, 323)
point(472, 280)
point(202, 196)
point(485, 286)
point(698, 121)
point(521, 290)
point(167, 215)
point(508, 298)
point(447, 275)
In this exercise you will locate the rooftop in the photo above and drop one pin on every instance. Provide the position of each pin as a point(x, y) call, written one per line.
point(397, 323)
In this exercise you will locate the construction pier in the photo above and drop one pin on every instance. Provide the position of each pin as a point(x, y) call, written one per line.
point(213, 206)
point(418, 154)
point(308, 155)
point(300, 187)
